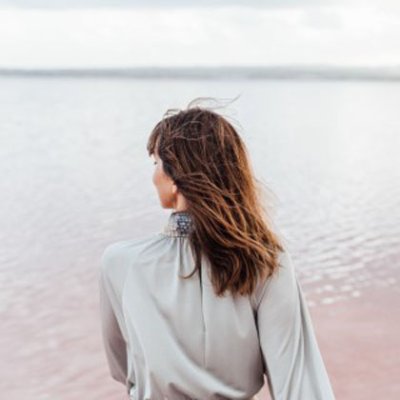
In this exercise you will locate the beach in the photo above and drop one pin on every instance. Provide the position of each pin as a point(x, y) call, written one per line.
point(62, 357)
point(359, 342)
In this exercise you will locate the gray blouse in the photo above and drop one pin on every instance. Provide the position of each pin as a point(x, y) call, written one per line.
point(171, 338)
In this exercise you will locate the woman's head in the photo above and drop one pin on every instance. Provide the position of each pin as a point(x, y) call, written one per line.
point(197, 143)
point(202, 166)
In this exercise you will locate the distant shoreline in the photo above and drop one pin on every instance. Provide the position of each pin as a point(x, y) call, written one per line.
point(217, 73)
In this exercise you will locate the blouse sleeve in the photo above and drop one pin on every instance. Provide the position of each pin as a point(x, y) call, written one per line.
point(292, 359)
point(113, 340)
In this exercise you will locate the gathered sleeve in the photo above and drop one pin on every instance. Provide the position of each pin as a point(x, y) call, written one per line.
point(292, 360)
point(113, 339)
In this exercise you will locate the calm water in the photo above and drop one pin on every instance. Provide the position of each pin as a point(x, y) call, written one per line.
point(75, 176)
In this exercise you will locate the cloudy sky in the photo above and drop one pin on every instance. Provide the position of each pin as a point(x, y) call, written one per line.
point(124, 33)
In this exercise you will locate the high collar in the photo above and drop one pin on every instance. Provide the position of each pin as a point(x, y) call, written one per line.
point(179, 223)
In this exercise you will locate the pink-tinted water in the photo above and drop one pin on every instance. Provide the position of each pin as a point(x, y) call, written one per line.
point(75, 177)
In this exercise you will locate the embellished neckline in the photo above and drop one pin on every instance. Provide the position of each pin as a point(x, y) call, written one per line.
point(180, 223)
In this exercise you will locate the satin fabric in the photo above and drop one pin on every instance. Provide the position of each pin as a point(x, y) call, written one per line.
point(171, 338)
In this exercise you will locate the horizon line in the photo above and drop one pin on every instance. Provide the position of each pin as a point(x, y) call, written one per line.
point(277, 71)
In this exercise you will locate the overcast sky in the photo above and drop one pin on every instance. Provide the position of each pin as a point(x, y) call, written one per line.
point(124, 33)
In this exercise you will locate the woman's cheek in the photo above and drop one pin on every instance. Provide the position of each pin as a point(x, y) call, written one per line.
point(156, 176)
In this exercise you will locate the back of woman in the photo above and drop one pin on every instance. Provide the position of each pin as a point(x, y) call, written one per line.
point(206, 307)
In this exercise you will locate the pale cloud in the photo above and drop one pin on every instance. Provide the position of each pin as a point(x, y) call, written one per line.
point(115, 37)
point(64, 4)
point(266, 4)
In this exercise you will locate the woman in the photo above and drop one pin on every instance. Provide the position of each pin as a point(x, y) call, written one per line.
point(206, 307)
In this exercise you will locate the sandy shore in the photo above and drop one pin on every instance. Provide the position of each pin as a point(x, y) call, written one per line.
point(59, 355)
point(360, 340)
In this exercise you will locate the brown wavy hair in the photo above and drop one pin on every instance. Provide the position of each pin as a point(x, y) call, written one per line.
point(208, 161)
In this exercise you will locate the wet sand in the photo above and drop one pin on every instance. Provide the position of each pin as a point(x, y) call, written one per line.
point(62, 358)
point(55, 351)
point(360, 340)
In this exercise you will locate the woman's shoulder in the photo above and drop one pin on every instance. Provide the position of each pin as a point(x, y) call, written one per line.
point(118, 251)
point(283, 275)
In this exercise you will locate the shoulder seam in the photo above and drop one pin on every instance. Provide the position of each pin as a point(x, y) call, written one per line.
point(268, 280)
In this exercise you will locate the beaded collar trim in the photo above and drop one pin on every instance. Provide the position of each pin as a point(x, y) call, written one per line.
point(180, 223)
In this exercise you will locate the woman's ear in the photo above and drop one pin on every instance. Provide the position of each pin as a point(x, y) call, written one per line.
point(174, 188)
